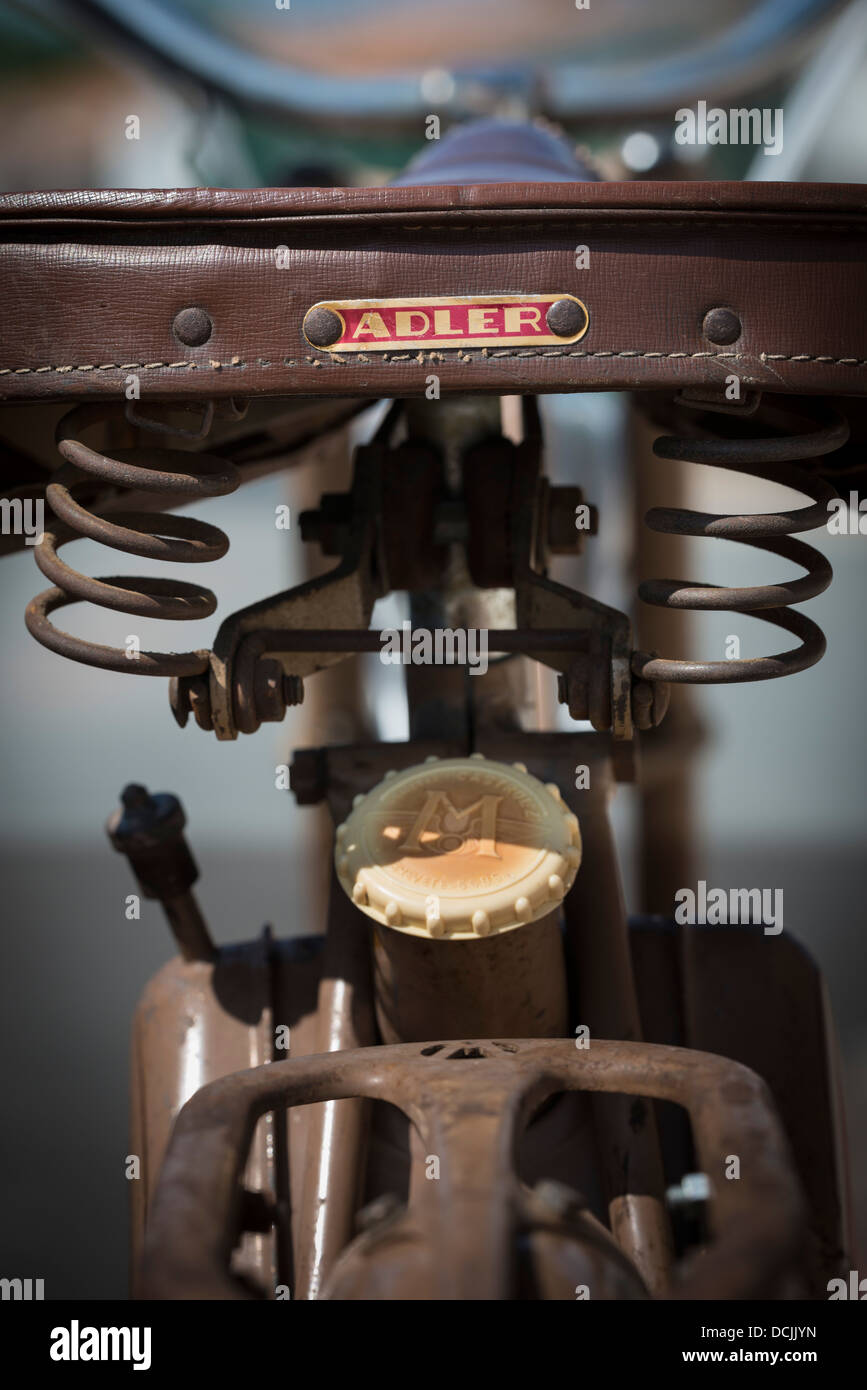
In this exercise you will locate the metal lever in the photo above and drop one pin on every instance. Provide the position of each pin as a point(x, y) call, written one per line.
point(149, 830)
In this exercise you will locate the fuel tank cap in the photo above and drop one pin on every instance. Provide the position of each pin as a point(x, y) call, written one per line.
point(458, 848)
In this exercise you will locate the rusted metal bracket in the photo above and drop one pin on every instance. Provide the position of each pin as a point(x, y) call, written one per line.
point(514, 515)
point(392, 531)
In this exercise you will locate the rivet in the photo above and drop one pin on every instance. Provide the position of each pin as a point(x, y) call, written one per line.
point(721, 326)
point(322, 327)
point(520, 767)
point(554, 790)
point(359, 894)
point(555, 886)
point(392, 913)
point(565, 318)
point(358, 798)
point(523, 909)
point(192, 327)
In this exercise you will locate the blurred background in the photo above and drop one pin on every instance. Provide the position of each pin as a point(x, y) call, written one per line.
point(255, 93)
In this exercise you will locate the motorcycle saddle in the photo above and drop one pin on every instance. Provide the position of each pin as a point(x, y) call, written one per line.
point(497, 263)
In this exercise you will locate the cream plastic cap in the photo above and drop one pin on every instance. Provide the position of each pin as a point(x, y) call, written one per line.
point(458, 848)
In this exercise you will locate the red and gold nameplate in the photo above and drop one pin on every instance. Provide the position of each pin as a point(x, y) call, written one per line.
point(464, 321)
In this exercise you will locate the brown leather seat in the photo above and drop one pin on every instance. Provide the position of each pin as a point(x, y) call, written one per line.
point(92, 285)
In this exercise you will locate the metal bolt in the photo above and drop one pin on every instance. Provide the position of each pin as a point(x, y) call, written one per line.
point(273, 690)
point(322, 327)
point(149, 830)
point(145, 822)
point(329, 525)
point(293, 690)
point(722, 326)
point(192, 327)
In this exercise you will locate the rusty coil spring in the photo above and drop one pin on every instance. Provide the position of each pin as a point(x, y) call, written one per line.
point(177, 475)
point(771, 460)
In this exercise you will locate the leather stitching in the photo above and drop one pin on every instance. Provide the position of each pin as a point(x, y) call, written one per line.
point(432, 357)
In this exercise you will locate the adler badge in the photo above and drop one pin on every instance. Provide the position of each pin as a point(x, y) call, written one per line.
point(465, 321)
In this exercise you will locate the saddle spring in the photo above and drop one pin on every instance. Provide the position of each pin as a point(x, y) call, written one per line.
point(772, 459)
point(178, 475)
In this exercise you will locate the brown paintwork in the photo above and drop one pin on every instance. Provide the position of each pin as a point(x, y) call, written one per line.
point(197, 1022)
point(514, 983)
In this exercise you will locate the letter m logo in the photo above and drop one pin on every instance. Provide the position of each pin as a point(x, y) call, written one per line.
point(443, 829)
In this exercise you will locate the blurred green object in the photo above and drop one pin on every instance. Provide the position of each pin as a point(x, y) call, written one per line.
point(26, 43)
